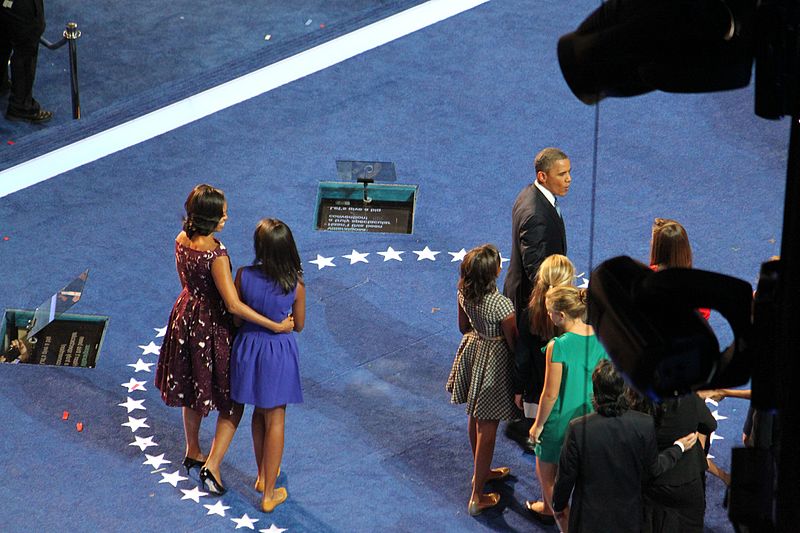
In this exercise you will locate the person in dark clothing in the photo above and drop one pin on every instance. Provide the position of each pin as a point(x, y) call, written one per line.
point(21, 24)
point(536, 329)
point(607, 457)
point(676, 500)
point(537, 232)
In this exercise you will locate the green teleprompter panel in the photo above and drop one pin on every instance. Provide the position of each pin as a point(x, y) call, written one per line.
point(361, 207)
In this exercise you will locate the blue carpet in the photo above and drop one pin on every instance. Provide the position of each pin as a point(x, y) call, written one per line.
point(461, 107)
point(149, 55)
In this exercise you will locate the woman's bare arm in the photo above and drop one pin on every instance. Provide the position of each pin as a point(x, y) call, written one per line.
point(221, 272)
point(552, 386)
point(299, 307)
point(464, 324)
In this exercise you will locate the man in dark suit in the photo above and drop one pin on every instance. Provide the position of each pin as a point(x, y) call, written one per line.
point(606, 458)
point(21, 25)
point(537, 232)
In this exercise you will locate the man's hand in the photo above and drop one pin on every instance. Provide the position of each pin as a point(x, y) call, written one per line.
point(688, 441)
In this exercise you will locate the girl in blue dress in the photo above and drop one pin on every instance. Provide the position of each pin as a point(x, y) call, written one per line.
point(265, 370)
point(193, 369)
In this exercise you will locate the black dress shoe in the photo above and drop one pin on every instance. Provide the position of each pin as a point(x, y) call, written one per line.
point(34, 117)
point(211, 483)
point(529, 446)
point(190, 463)
point(517, 430)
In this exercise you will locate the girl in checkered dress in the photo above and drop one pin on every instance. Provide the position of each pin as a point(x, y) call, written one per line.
point(482, 373)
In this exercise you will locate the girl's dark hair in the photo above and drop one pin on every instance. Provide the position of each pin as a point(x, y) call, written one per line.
point(609, 390)
point(479, 272)
point(276, 253)
point(669, 246)
point(205, 207)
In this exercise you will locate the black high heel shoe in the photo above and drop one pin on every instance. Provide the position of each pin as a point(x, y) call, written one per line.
point(211, 483)
point(190, 463)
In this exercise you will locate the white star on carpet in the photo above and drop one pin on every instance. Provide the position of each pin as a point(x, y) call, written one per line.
point(715, 403)
point(193, 494)
point(143, 442)
point(141, 366)
point(152, 348)
point(155, 461)
point(135, 423)
point(718, 416)
point(714, 437)
point(132, 405)
point(272, 529)
point(427, 253)
point(357, 257)
point(458, 256)
point(322, 262)
point(133, 385)
point(390, 254)
point(160, 332)
point(503, 260)
point(245, 521)
point(173, 478)
point(217, 508)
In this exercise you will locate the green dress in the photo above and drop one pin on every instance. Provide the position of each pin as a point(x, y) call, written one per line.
point(578, 356)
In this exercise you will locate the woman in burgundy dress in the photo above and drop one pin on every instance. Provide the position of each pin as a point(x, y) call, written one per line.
point(194, 361)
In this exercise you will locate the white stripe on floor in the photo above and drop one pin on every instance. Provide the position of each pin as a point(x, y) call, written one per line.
point(231, 93)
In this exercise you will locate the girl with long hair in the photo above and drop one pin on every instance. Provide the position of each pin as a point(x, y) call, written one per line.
point(265, 369)
point(482, 372)
point(193, 363)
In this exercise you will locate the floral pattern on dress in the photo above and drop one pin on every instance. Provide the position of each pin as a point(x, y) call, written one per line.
point(194, 362)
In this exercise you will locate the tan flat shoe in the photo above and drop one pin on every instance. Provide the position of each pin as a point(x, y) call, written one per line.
point(280, 496)
point(498, 473)
point(477, 507)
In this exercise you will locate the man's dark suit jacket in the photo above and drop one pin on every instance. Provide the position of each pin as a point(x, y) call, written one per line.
point(606, 460)
point(537, 232)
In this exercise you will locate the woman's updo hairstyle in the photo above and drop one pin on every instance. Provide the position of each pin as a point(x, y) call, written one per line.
point(568, 300)
point(205, 207)
point(479, 272)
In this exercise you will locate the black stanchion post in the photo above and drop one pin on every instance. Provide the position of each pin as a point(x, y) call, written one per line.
point(71, 34)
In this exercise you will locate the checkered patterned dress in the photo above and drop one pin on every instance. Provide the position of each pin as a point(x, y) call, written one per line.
point(483, 368)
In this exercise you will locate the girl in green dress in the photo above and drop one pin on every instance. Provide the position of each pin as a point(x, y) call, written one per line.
point(570, 360)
